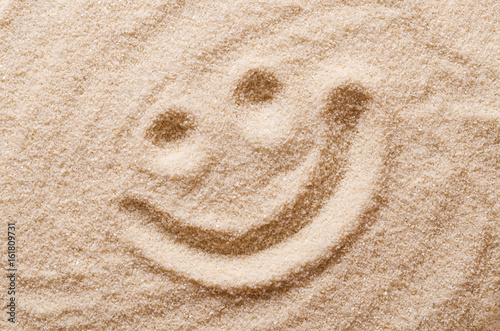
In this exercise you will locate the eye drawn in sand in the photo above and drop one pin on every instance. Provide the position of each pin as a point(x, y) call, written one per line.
point(170, 126)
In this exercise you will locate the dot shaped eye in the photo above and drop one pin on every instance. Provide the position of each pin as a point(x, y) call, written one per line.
point(346, 103)
point(257, 86)
point(168, 127)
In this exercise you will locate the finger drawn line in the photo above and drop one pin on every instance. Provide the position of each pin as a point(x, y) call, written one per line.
point(314, 242)
point(345, 106)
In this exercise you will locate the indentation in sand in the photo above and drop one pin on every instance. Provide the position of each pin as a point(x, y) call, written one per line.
point(257, 86)
point(168, 126)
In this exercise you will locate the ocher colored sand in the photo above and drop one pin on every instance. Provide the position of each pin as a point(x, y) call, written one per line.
point(236, 165)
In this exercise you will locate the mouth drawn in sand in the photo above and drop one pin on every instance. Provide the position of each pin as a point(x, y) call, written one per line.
point(256, 194)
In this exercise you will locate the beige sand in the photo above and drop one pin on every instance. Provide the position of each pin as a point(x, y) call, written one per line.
point(252, 165)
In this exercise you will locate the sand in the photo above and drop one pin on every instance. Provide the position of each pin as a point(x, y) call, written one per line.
point(251, 165)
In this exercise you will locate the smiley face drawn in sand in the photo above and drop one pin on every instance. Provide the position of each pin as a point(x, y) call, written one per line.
point(246, 174)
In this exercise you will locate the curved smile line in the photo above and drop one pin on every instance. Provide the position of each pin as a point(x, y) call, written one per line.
point(313, 243)
point(290, 215)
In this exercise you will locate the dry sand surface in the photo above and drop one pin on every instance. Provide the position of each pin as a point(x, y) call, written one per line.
point(251, 165)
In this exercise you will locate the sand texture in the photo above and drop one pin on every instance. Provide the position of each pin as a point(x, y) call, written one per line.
point(251, 165)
